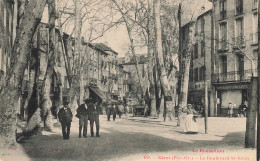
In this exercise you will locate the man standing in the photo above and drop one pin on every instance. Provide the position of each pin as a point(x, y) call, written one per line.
point(114, 111)
point(82, 113)
point(65, 118)
point(94, 109)
point(230, 109)
point(108, 112)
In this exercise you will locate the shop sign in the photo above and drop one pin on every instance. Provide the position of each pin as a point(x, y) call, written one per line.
point(234, 86)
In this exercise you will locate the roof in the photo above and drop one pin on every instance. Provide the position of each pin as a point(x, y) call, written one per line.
point(121, 60)
point(142, 59)
point(103, 47)
point(205, 13)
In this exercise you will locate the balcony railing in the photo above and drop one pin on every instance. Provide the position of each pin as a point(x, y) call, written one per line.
point(234, 76)
point(196, 85)
point(223, 14)
point(254, 37)
point(223, 45)
point(239, 41)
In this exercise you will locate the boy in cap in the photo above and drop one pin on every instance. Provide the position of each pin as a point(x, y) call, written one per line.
point(65, 118)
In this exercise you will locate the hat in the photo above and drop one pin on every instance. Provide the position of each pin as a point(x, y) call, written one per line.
point(65, 102)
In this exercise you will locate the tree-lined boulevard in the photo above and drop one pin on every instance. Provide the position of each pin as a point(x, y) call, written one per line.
point(181, 65)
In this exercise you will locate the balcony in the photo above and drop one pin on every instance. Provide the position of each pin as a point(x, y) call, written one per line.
point(234, 76)
point(223, 46)
point(239, 9)
point(223, 14)
point(239, 42)
point(196, 85)
point(254, 38)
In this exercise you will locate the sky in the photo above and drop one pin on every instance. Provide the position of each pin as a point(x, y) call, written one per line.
point(117, 37)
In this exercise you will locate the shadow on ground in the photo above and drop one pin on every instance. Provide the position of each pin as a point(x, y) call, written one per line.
point(114, 144)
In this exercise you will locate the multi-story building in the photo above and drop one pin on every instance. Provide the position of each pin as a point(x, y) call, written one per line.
point(200, 65)
point(96, 71)
point(111, 69)
point(132, 80)
point(235, 26)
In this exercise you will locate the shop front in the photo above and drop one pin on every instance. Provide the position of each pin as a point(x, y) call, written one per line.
point(235, 93)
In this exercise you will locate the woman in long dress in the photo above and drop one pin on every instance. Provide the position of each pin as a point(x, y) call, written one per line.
point(190, 124)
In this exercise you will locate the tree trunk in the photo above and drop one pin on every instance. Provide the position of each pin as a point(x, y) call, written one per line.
point(151, 62)
point(161, 66)
point(78, 51)
point(151, 79)
point(46, 100)
point(30, 92)
point(184, 81)
point(184, 84)
point(21, 50)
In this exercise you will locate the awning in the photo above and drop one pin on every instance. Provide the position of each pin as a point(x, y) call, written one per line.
point(99, 93)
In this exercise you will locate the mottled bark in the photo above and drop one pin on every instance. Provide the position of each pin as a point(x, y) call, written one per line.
point(161, 67)
point(185, 70)
point(11, 91)
point(184, 83)
point(46, 90)
point(30, 92)
point(78, 51)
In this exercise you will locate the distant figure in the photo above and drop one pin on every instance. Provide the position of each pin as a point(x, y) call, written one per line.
point(108, 112)
point(120, 110)
point(94, 109)
point(230, 110)
point(190, 121)
point(242, 109)
point(82, 114)
point(65, 118)
point(126, 110)
point(145, 110)
point(113, 110)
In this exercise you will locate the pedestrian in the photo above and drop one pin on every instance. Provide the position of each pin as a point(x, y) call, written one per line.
point(82, 114)
point(242, 109)
point(108, 112)
point(190, 121)
point(65, 118)
point(145, 110)
point(94, 109)
point(120, 110)
point(114, 111)
point(126, 110)
point(230, 109)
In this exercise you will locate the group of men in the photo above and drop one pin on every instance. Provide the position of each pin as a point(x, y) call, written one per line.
point(89, 110)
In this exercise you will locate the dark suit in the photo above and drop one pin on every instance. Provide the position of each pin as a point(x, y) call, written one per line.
point(82, 112)
point(113, 111)
point(65, 118)
point(108, 112)
point(93, 115)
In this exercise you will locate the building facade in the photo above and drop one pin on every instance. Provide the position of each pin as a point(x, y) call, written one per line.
point(235, 26)
point(200, 67)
